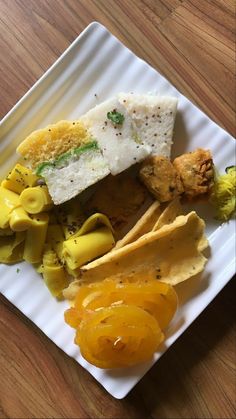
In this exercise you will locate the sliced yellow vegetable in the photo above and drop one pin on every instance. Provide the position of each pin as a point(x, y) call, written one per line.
point(8, 201)
point(55, 238)
point(54, 273)
point(92, 223)
point(19, 178)
point(11, 249)
point(35, 200)
point(80, 250)
point(35, 238)
point(19, 219)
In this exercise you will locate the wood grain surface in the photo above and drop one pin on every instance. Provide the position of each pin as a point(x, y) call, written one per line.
point(191, 42)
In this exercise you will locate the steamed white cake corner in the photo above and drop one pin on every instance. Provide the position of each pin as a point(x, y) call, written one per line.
point(153, 119)
point(118, 142)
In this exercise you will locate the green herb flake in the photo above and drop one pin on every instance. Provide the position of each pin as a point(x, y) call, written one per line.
point(42, 166)
point(92, 145)
point(62, 160)
point(18, 270)
point(116, 117)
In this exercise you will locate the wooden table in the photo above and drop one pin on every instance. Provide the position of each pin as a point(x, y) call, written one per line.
point(191, 43)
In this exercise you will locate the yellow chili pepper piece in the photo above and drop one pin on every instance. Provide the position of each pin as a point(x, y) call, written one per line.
point(19, 178)
point(35, 200)
point(35, 238)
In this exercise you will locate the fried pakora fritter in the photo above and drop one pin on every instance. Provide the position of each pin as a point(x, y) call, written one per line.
point(196, 171)
point(161, 178)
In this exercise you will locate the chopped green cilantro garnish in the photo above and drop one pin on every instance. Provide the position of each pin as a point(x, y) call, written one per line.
point(116, 117)
point(18, 270)
point(93, 145)
point(42, 166)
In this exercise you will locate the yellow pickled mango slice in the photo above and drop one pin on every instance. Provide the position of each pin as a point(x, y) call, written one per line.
point(35, 238)
point(35, 200)
point(118, 336)
point(80, 250)
point(8, 201)
point(19, 178)
point(19, 219)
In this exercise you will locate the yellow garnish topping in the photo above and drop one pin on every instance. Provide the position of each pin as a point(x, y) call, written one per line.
point(224, 194)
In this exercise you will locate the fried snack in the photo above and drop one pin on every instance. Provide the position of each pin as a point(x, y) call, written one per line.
point(156, 297)
point(117, 197)
point(170, 254)
point(196, 172)
point(144, 225)
point(161, 178)
point(173, 210)
point(118, 336)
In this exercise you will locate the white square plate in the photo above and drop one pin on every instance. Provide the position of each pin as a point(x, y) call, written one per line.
point(91, 70)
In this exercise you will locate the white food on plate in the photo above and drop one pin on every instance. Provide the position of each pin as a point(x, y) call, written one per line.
point(118, 142)
point(153, 119)
point(66, 182)
point(145, 128)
